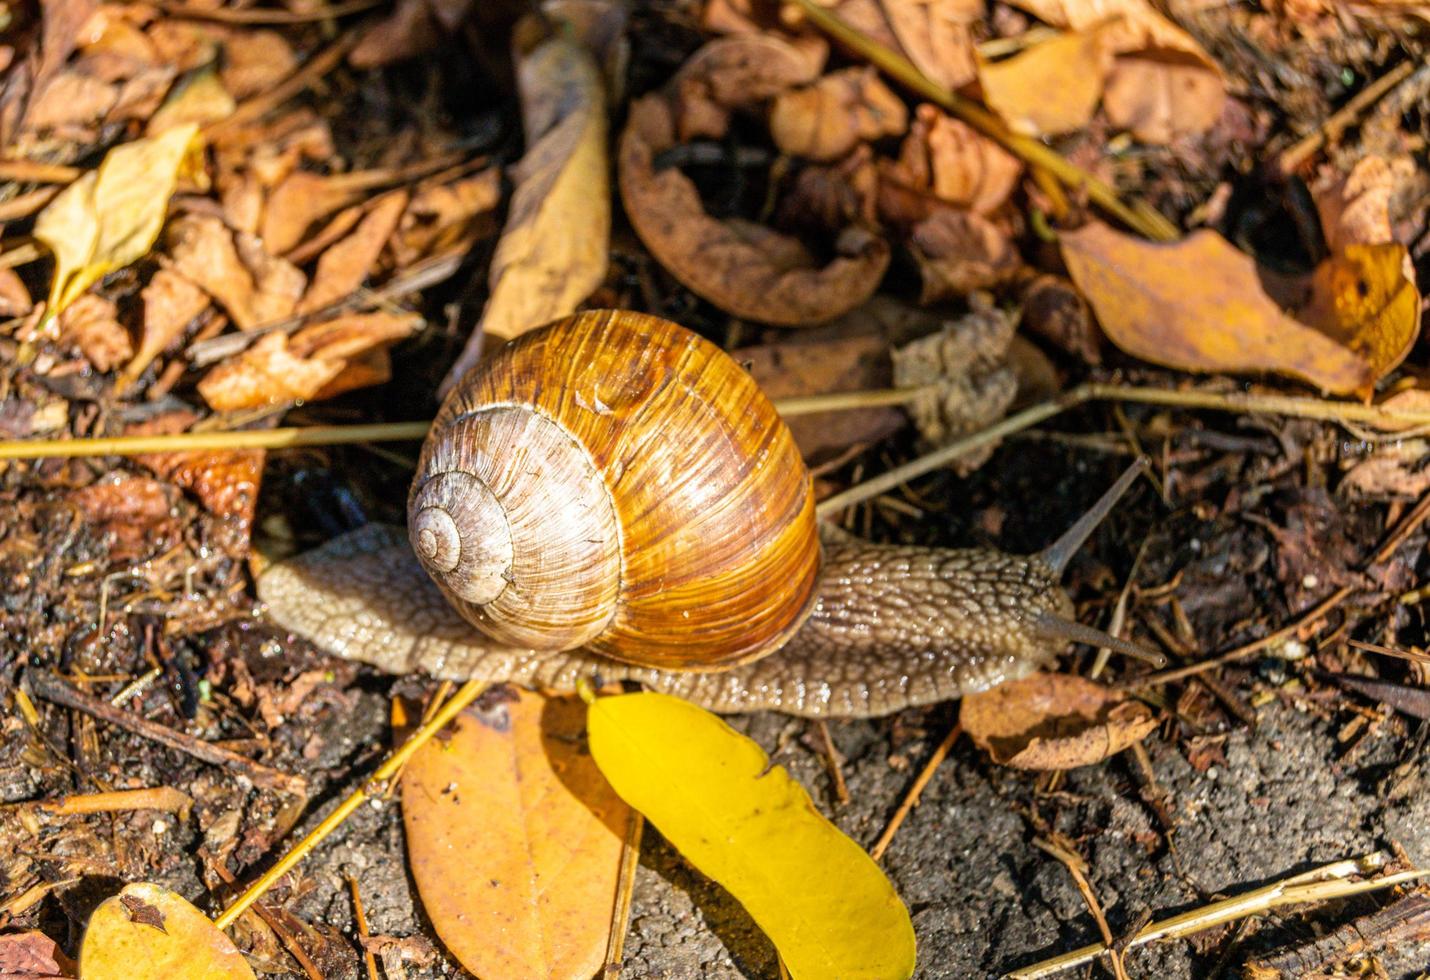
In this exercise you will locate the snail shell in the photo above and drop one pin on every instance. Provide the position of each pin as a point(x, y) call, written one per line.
point(616, 482)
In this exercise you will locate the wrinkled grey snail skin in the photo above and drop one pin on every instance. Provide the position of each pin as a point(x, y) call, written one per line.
point(892, 626)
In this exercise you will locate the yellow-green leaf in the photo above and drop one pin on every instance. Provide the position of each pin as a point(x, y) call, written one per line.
point(514, 840)
point(712, 792)
point(110, 217)
point(149, 933)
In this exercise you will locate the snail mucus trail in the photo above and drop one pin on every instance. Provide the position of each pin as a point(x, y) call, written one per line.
point(611, 496)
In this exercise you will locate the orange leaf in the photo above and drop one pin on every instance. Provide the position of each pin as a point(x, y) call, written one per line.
point(514, 839)
point(1051, 87)
point(1201, 305)
point(1362, 298)
point(149, 933)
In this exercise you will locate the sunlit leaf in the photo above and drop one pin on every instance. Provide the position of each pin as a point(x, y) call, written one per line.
point(149, 933)
point(110, 217)
point(713, 793)
point(514, 839)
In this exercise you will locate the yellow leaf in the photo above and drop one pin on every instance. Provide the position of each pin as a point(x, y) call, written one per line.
point(1050, 87)
point(1361, 297)
point(712, 792)
point(514, 839)
point(149, 933)
point(1201, 305)
point(110, 217)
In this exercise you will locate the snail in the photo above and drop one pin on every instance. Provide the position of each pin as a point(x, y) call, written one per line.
point(611, 496)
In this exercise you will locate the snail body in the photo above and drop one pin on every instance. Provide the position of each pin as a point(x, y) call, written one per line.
point(612, 496)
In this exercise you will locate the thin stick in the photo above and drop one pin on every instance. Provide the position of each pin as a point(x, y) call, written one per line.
point(625, 890)
point(163, 798)
point(374, 786)
point(833, 760)
point(369, 961)
point(51, 688)
point(1318, 885)
point(1077, 867)
point(1337, 122)
point(911, 799)
point(32, 172)
point(267, 15)
point(1138, 216)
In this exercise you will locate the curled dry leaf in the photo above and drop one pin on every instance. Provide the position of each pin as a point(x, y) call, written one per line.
point(731, 72)
point(947, 159)
point(1355, 210)
point(934, 34)
point(959, 252)
point(1051, 87)
point(1053, 721)
point(1356, 320)
point(226, 482)
point(278, 368)
point(1163, 84)
point(14, 297)
point(171, 302)
point(1394, 469)
point(254, 60)
point(966, 362)
point(514, 839)
point(747, 270)
point(299, 200)
point(254, 286)
point(32, 955)
point(149, 933)
point(110, 217)
point(827, 120)
point(1054, 310)
point(92, 323)
point(441, 216)
point(346, 264)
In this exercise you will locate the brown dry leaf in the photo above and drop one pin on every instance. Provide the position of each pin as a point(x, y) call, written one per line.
point(934, 34)
point(959, 252)
point(92, 323)
point(514, 839)
point(149, 933)
point(750, 272)
point(278, 368)
point(14, 297)
point(255, 60)
point(834, 195)
point(731, 72)
point(1409, 400)
point(297, 202)
point(345, 266)
point(441, 215)
point(1355, 210)
point(201, 100)
point(828, 119)
point(947, 159)
point(1201, 305)
point(226, 482)
point(555, 245)
point(32, 955)
point(1053, 721)
point(966, 362)
point(1163, 84)
point(1054, 310)
point(71, 98)
point(171, 302)
point(1396, 469)
point(255, 287)
point(1051, 87)
point(135, 512)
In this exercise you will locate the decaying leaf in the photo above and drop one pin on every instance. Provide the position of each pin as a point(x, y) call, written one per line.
point(92, 323)
point(1355, 210)
point(111, 216)
point(442, 215)
point(226, 482)
point(554, 248)
point(959, 252)
point(255, 286)
point(171, 302)
point(1054, 310)
point(278, 368)
point(745, 269)
point(346, 264)
point(936, 35)
point(742, 820)
point(14, 297)
point(728, 73)
point(1053, 721)
point(1228, 322)
point(826, 120)
point(946, 159)
point(1395, 469)
point(966, 363)
point(149, 933)
point(1051, 87)
point(514, 839)
point(32, 955)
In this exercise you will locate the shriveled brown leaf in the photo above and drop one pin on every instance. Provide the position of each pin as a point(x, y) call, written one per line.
point(834, 195)
point(14, 297)
point(1395, 469)
point(935, 35)
point(279, 368)
point(32, 955)
point(514, 839)
point(971, 385)
point(92, 323)
point(757, 274)
point(1051, 87)
point(171, 302)
point(253, 285)
point(72, 99)
point(765, 17)
point(947, 160)
point(731, 72)
point(959, 252)
point(226, 482)
point(826, 120)
point(344, 266)
point(555, 245)
point(1163, 84)
point(299, 200)
point(136, 513)
point(441, 215)
point(1407, 400)
point(1054, 310)
point(1053, 721)
point(1355, 210)
point(369, 368)
point(255, 60)
point(1225, 321)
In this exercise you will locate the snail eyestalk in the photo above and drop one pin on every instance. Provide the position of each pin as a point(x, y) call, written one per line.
point(1051, 624)
point(1060, 552)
